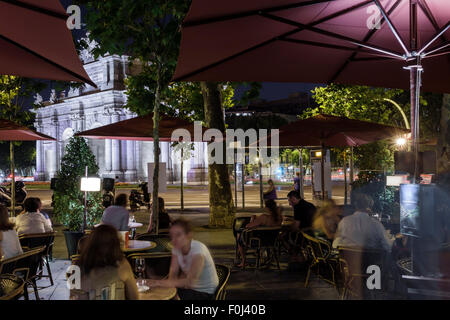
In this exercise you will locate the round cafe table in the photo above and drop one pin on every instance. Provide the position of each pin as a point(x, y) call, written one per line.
point(157, 293)
point(139, 245)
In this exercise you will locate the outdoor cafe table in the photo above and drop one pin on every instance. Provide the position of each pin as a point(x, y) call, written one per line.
point(157, 293)
point(139, 245)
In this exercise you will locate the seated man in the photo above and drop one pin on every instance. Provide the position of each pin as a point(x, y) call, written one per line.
point(32, 221)
point(303, 217)
point(117, 215)
point(361, 230)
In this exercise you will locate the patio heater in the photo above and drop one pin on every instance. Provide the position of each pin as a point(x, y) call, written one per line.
point(88, 184)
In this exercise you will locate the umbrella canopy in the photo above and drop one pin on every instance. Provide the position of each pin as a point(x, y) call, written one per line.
point(10, 131)
point(357, 42)
point(318, 41)
point(36, 43)
point(333, 131)
point(141, 128)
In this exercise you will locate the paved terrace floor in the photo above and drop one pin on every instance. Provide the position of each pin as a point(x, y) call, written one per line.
point(268, 284)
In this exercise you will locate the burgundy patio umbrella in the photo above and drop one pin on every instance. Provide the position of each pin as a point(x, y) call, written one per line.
point(141, 129)
point(36, 43)
point(11, 131)
point(333, 131)
point(321, 41)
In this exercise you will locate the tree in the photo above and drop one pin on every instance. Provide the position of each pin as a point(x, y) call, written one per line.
point(220, 199)
point(69, 200)
point(443, 147)
point(14, 92)
point(147, 31)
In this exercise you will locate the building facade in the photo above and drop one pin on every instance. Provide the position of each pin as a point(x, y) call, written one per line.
point(87, 108)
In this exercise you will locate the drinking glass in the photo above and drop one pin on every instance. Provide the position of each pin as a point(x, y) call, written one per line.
point(140, 267)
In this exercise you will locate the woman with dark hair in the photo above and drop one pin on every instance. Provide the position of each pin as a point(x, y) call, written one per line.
point(273, 218)
point(105, 272)
point(9, 241)
point(164, 220)
point(198, 279)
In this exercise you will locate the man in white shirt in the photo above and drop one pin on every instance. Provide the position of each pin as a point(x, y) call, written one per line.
point(117, 215)
point(361, 230)
point(32, 221)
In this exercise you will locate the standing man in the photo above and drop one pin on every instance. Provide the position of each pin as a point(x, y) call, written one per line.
point(297, 182)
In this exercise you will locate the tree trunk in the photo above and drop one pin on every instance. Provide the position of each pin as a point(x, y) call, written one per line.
point(443, 147)
point(156, 153)
point(13, 179)
point(222, 211)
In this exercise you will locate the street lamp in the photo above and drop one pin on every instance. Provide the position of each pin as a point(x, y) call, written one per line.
point(88, 184)
point(401, 142)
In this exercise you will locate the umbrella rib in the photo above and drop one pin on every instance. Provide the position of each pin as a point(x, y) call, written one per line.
point(29, 6)
point(392, 27)
point(324, 19)
point(74, 74)
point(251, 13)
point(426, 10)
point(333, 35)
point(366, 38)
point(440, 32)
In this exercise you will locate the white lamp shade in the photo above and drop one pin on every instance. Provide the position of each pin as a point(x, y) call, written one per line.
point(90, 184)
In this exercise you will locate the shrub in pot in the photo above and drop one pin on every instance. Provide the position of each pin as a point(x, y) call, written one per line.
point(68, 199)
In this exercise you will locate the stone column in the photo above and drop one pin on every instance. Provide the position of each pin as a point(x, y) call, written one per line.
point(115, 150)
point(108, 147)
point(198, 172)
point(40, 173)
point(131, 172)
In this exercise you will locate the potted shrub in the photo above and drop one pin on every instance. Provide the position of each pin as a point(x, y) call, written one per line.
point(68, 199)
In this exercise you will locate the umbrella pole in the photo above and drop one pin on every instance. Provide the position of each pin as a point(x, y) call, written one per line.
point(345, 177)
point(243, 183)
point(182, 183)
point(260, 184)
point(322, 160)
point(13, 179)
point(415, 82)
point(351, 173)
point(300, 160)
point(235, 182)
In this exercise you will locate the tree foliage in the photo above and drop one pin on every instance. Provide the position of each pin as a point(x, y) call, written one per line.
point(69, 200)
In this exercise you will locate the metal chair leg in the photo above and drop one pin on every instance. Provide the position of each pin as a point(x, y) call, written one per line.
point(307, 276)
point(36, 294)
point(49, 271)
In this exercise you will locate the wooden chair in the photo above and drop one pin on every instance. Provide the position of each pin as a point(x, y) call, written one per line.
point(319, 254)
point(37, 240)
point(238, 223)
point(223, 273)
point(26, 266)
point(354, 262)
point(260, 240)
point(11, 287)
point(157, 265)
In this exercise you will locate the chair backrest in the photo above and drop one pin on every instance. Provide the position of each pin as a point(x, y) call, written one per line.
point(320, 249)
point(11, 287)
point(357, 260)
point(38, 239)
point(75, 258)
point(239, 222)
point(263, 236)
point(162, 241)
point(28, 261)
point(157, 265)
point(223, 273)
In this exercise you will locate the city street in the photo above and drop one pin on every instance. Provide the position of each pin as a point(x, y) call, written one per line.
point(196, 197)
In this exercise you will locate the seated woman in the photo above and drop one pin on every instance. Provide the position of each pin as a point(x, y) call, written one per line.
point(164, 220)
point(192, 268)
point(105, 272)
point(273, 218)
point(9, 241)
